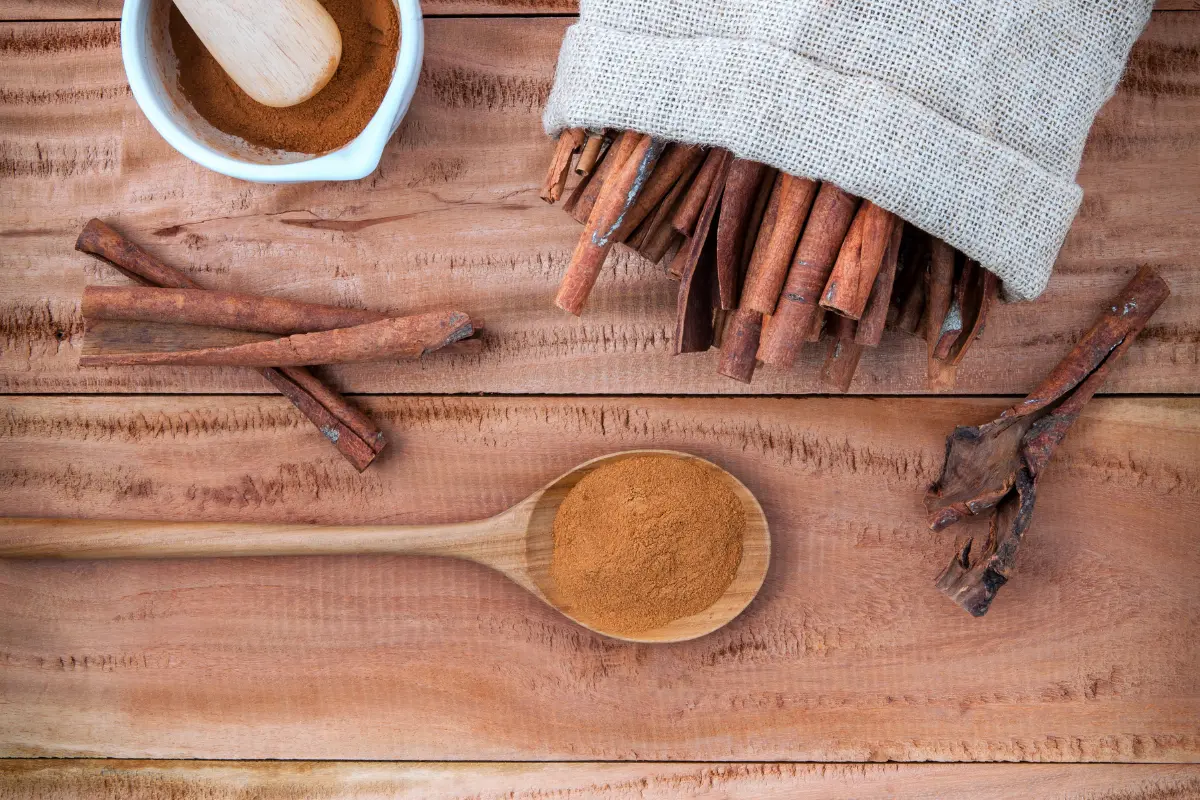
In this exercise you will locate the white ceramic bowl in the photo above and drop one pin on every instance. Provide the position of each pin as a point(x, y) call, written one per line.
point(151, 67)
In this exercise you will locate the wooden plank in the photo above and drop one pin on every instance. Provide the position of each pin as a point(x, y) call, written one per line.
point(453, 217)
point(82, 779)
point(1091, 653)
point(111, 9)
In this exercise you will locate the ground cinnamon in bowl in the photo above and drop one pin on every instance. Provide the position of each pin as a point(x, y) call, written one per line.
point(644, 541)
point(330, 119)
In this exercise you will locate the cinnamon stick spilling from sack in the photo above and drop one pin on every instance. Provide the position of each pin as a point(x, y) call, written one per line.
point(763, 258)
point(994, 469)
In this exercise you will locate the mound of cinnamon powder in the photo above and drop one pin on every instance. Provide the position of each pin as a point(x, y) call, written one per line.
point(644, 541)
point(332, 117)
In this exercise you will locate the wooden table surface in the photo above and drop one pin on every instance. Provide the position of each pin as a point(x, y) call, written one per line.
point(412, 677)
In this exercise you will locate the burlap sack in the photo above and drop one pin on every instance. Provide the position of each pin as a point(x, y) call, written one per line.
point(967, 118)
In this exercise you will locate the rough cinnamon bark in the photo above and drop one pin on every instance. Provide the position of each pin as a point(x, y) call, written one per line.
point(788, 209)
point(697, 278)
point(243, 312)
point(737, 205)
point(569, 141)
point(874, 316)
point(976, 291)
point(600, 234)
point(858, 264)
point(995, 468)
point(399, 337)
point(841, 360)
point(675, 161)
point(102, 242)
point(792, 319)
point(686, 215)
point(581, 202)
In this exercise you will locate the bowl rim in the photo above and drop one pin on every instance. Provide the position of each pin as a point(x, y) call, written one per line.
point(354, 160)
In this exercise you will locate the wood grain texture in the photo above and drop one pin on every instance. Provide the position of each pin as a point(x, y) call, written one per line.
point(111, 9)
point(849, 653)
point(453, 217)
point(182, 780)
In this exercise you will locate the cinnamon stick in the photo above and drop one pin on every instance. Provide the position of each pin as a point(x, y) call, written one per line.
point(874, 316)
point(952, 324)
point(581, 202)
point(685, 216)
point(766, 188)
point(697, 278)
point(818, 326)
point(787, 210)
point(569, 140)
point(399, 337)
point(739, 347)
point(689, 254)
point(104, 243)
point(792, 320)
point(909, 295)
point(659, 234)
point(858, 263)
point(675, 161)
point(590, 154)
point(242, 312)
point(976, 290)
point(618, 196)
point(994, 469)
point(737, 205)
point(841, 360)
point(939, 290)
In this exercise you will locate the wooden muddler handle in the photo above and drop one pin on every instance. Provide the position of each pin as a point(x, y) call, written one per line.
point(353, 434)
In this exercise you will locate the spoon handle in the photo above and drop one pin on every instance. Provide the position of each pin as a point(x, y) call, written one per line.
point(20, 537)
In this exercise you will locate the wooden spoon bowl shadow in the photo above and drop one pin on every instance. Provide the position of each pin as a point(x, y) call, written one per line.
point(541, 508)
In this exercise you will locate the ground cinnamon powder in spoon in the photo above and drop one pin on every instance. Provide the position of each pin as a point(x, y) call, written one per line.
point(644, 541)
point(332, 117)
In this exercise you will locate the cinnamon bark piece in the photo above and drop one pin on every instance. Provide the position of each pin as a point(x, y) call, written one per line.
point(939, 290)
point(995, 468)
point(818, 326)
point(581, 202)
point(243, 312)
point(104, 243)
point(859, 261)
point(685, 216)
point(841, 360)
point(792, 319)
point(618, 196)
point(766, 188)
point(697, 273)
point(739, 347)
point(659, 233)
point(590, 154)
point(399, 337)
point(874, 316)
point(784, 218)
point(569, 140)
point(908, 298)
point(737, 205)
point(976, 292)
point(675, 161)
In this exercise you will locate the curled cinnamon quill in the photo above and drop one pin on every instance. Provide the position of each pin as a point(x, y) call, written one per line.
point(995, 468)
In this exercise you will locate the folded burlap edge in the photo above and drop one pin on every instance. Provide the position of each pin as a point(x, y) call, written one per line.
point(986, 199)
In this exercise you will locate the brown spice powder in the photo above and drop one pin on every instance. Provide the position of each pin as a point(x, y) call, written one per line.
point(332, 117)
point(644, 541)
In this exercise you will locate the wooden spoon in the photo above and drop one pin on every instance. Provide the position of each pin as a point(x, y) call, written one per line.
point(281, 52)
point(517, 542)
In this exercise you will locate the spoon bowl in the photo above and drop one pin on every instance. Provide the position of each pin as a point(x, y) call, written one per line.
point(518, 542)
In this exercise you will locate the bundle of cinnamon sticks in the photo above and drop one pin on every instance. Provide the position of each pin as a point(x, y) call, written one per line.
point(169, 319)
point(766, 261)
